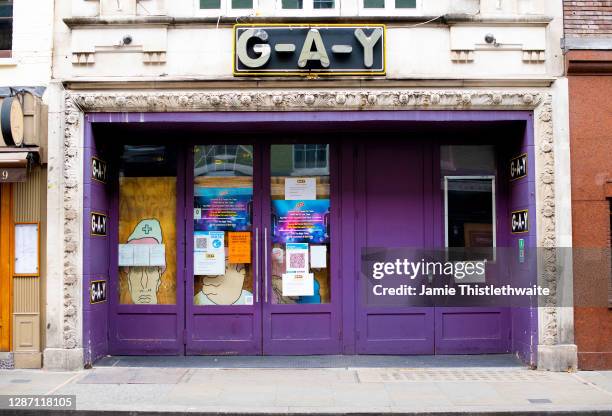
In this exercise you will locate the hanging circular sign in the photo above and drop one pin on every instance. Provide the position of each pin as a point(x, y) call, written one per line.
point(11, 121)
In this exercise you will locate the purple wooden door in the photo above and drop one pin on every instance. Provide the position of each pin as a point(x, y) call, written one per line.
point(146, 262)
point(263, 320)
point(393, 210)
point(224, 317)
point(473, 330)
point(301, 324)
point(400, 203)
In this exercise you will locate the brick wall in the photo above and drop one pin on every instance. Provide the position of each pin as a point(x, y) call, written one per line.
point(587, 18)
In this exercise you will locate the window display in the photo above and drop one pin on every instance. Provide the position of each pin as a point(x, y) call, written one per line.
point(222, 218)
point(300, 223)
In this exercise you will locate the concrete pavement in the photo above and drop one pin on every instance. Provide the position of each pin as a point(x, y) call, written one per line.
point(443, 390)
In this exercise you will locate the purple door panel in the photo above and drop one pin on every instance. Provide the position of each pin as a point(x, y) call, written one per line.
point(393, 186)
point(302, 329)
point(223, 329)
point(472, 330)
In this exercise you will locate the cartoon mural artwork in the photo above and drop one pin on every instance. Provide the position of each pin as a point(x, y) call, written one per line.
point(225, 289)
point(144, 282)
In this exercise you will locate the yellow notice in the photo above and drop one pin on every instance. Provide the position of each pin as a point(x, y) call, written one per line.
point(239, 247)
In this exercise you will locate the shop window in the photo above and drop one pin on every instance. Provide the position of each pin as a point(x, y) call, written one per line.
point(223, 225)
point(147, 225)
point(6, 28)
point(300, 224)
point(469, 218)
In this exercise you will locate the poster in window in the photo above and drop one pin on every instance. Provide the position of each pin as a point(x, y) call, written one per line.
point(222, 209)
point(300, 221)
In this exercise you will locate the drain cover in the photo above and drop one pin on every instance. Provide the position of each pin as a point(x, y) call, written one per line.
point(539, 401)
point(20, 380)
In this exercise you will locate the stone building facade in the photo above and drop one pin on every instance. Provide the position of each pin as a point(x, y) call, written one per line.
point(468, 73)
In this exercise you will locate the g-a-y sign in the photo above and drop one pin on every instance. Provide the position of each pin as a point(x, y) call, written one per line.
point(309, 50)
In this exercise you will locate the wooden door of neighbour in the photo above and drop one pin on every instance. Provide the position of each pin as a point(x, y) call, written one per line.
point(5, 267)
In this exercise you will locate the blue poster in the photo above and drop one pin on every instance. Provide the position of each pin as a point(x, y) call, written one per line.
point(300, 221)
point(222, 209)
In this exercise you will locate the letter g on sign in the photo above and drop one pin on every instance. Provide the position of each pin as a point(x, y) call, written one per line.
point(263, 49)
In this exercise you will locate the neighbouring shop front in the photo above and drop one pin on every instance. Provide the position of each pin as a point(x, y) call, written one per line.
point(23, 173)
point(229, 233)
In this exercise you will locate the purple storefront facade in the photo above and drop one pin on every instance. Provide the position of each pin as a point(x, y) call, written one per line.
point(386, 191)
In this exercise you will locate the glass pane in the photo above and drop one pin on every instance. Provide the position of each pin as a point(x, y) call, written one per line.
point(373, 4)
point(6, 8)
point(323, 4)
point(292, 4)
point(405, 4)
point(223, 214)
point(242, 4)
point(147, 225)
point(470, 217)
point(6, 34)
point(300, 258)
point(210, 4)
point(467, 159)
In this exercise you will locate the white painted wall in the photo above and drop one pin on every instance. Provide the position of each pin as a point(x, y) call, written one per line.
point(204, 50)
point(30, 63)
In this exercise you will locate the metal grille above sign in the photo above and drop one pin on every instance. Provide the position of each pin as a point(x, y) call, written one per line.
point(309, 50)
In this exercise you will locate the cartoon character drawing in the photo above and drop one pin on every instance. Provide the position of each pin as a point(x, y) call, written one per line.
point(225, 289)
point(144, 282)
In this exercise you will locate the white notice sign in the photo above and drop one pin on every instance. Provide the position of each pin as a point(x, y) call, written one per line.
point(26, 249)
point(126, 255)
point(298, 284)
point(141, 254)
point(318, 256)
point(300, 189)
point(157, 255)
point(209, 253)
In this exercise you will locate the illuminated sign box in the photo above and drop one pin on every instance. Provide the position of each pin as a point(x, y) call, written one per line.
point(261, 49)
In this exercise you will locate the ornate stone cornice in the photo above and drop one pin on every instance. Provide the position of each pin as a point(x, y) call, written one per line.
point(76, 103)
point(307, 100)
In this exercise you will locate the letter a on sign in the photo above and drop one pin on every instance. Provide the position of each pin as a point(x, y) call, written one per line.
point(319, 54)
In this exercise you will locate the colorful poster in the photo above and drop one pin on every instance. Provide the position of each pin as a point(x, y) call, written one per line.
point(222, 209)
point(300, 221)
point(297, 257)
point(239, 247)
point(208, 253)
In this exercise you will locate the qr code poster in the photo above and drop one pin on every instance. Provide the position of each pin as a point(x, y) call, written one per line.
point(297, 257)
